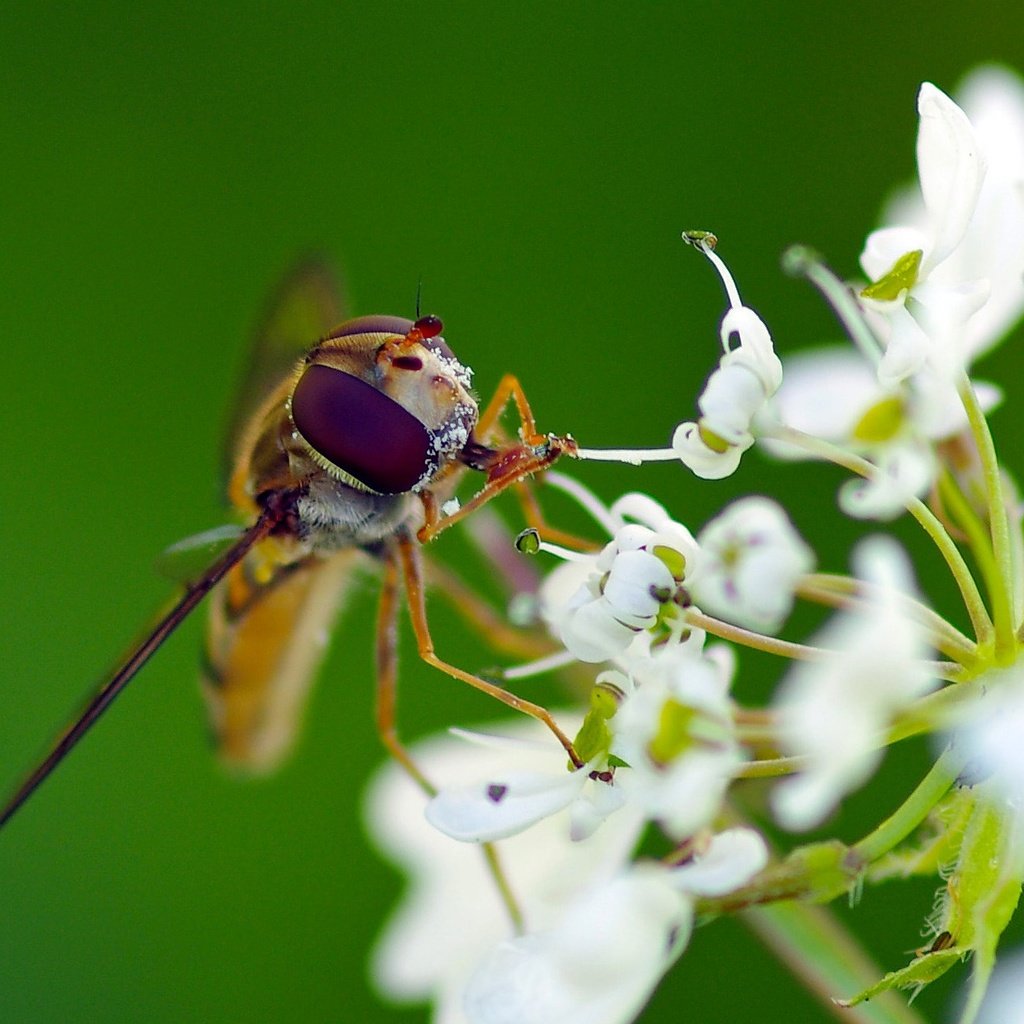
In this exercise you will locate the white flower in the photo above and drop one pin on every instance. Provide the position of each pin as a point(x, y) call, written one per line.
point(833, 393)
point(734, 396)
point(903, 472)
point(748, 374)
point(597, 605)
point(731, 859)
point(992, 245)
point(752, 560)
point(602, 960)
point(951, 170)
point(990, 729)
point(834, 711)
point(948, 282)
point(675, 732)
point(452, 910)
point(598, 965)
point(506, 802)
point(967, 226)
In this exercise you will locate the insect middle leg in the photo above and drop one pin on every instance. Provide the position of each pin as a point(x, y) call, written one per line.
point(387, 675)
point(414, 587)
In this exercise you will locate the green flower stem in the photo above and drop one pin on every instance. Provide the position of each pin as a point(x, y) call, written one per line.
point(980, 621)
point(978, 537)
point(490, 852)
point(787, 649)
point(757, 641)
point(932, 712)
point(840, 297)
point(1002, 585)
point(847, 592)
point(772, 768)
point(932, 788)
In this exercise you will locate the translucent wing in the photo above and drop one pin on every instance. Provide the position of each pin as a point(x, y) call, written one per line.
point(186, 559)
point(306, 305)
point(265, 642)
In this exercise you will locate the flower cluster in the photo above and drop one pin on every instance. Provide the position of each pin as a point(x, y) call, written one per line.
point(545, 891)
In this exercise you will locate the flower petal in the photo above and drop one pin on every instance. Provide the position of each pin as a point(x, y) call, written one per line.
point(732, 858)
point(502, 806)
point(951, 170)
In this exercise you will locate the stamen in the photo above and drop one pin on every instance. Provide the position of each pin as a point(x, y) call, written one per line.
point(549, 663)
point(584, 496)
point(631, 456)
point(716, 261)
point(564, 553)
point(801, 261)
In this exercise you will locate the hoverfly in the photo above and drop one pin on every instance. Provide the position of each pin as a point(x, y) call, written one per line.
point(346, 449)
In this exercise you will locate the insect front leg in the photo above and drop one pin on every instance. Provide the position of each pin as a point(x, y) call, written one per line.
point(412, 569)
point(509, 388)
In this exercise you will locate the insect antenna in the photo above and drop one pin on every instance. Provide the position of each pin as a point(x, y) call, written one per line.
point(269, 518)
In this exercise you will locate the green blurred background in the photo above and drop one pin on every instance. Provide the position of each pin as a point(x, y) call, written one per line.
point(533, 165)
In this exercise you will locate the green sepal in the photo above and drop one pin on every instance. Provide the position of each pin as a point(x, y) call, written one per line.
point(594, 737)
point(983, 892)
point(898, 280)
point(919, 972)
point(984, 888)
point(938, 846)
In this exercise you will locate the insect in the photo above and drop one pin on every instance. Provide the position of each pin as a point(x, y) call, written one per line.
point(346, 450)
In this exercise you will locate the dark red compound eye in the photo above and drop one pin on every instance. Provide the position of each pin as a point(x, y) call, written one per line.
point(361, 430)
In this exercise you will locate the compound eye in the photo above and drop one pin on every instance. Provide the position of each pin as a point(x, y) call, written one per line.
point(373, 325)
point(362, 431)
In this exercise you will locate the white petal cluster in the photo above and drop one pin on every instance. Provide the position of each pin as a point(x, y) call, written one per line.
point(672, 738)
point(748, 374)
point(676, 733)
point(600, 930)
point(598, 965)
point(602, 960)
point(834, 711)
point(949, 273)
point(597, 606)
point(752, 560)
point(452, 910)
point(968, 225)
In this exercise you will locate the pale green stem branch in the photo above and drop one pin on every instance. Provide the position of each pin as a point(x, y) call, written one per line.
point(757, 641)
point(980, 621)
point(999, 524)
point(847, 592)
point(932, 788)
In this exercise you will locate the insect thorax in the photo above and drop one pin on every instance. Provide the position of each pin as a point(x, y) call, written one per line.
point(333, 515)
